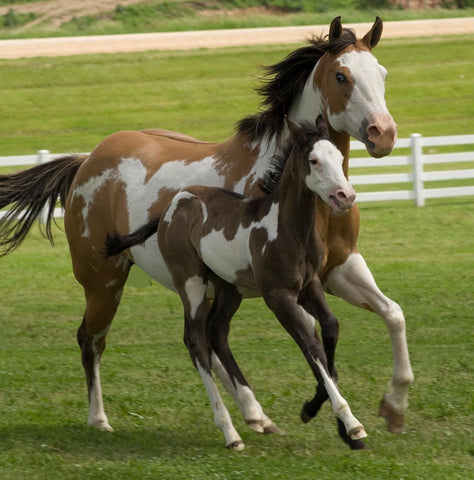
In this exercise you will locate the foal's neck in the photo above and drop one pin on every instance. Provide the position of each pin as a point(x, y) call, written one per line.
point(297, 203)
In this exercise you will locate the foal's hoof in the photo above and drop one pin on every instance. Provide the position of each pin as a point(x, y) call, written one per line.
point(304, 415)
point(238, 445)
point(265, 427)
point(357, 433)
point(395, 420)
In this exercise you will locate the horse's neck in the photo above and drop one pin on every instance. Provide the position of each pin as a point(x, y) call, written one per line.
point(297, 203)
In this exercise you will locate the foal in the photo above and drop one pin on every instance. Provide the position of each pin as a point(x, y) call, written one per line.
point(215, 240)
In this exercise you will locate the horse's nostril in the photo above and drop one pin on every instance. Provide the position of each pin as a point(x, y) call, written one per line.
point(373, 131)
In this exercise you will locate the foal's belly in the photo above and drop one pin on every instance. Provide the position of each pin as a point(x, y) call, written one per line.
point(149, 258)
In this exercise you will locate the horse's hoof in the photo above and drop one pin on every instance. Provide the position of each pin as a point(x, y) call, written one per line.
point(395, 420)
point(102, 425)
point(304, 415)
point(238, 445)
point(256, 426)
point(273, 428)
point(357, 433)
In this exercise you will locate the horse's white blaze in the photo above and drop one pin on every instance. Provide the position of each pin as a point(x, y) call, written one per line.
point(88, 191)
point(327, 175)
point(367, 97)
point(195, 289)
point(227, 257)
point(221, 415)
point(340, 406)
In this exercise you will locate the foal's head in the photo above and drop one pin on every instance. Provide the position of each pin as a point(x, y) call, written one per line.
point(319, 165)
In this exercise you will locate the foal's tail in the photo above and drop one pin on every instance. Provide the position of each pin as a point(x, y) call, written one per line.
point(116, 243)
point(29, 192)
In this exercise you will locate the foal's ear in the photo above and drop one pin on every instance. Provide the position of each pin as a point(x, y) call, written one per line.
point(294, 129)
point(335, 29)
point(322, 126)
point(372, 37)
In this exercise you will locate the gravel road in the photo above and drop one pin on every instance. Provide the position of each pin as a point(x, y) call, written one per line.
point(65, 46)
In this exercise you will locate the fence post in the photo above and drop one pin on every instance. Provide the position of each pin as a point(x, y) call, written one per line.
point(43, 156)
point(416, 141)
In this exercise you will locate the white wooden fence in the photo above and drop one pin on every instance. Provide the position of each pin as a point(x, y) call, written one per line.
point(414, 161)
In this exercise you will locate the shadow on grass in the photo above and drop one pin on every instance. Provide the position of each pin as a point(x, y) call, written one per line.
point(73, 442)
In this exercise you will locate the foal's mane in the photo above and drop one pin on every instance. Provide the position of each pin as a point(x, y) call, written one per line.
point(285, 80)
point(299, 141)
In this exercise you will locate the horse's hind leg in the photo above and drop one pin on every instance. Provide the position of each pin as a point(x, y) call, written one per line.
point(193, 294)
point(103, 291)
point(226, 303)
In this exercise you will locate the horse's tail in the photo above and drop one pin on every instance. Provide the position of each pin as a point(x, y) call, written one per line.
point(116, 243)
point(30, 192)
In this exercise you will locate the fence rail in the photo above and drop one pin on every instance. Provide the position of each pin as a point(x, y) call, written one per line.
point(414, 161)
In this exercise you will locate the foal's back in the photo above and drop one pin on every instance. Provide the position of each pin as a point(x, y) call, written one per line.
point(217, 227)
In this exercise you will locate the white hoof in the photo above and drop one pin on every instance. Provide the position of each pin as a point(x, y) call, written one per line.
point(100, 424)
point(357, 433)
point(238, 445)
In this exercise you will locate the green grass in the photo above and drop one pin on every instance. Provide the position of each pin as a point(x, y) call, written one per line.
point(421, 257)
point(71, 103)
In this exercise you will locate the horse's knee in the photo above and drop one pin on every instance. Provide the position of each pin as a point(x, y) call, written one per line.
point(394, 317)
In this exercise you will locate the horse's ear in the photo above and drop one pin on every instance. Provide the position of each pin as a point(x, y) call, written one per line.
point(335, 30)
point(372, 37)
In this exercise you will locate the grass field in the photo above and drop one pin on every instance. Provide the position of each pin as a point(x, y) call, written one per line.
point(421, 257)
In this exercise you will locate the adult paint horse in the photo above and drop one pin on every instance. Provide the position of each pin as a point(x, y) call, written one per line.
point(131, 176)
point(212, 237)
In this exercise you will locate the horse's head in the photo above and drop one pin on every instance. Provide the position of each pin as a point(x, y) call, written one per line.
point(322, 168)
point(351, 84)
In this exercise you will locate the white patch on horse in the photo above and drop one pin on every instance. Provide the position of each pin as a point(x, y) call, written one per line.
point(174, 205)
point(308, 105)
point(227, 257)
point(142, 194)
point(196, 292)
point(268, 147)
point(88, 191)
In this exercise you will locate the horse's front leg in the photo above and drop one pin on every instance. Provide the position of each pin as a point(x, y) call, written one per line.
point(354, 282)
point(284, 305)
point(226, 302)
point(314, 305)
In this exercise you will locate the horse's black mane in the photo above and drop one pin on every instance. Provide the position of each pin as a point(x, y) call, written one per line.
point(285, 80)
point(305, 132)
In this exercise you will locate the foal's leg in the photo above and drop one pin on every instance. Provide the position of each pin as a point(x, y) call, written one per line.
point(354, 282)
point(193, 294)
point(314, 305)
point(290, 316)
point(226, 302)
point(103, 291)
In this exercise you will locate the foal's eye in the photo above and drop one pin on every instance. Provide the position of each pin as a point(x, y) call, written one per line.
point(313, 161)
point(341, 78)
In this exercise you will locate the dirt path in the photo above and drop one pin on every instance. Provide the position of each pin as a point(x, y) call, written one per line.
point(66, 46)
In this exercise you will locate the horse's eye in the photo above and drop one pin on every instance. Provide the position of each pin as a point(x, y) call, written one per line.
point(313, 161)
point(341, 78)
